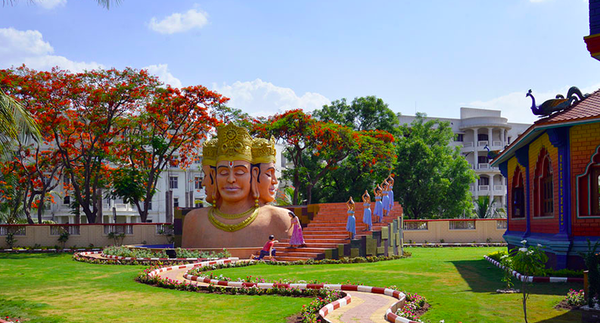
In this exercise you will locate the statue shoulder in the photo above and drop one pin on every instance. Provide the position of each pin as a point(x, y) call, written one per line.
point(277, 211)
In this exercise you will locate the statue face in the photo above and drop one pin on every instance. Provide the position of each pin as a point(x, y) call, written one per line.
point(207, 183)
point(233, 180)
point(267, 183)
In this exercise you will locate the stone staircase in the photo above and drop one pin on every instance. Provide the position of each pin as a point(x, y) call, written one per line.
point(328, 229)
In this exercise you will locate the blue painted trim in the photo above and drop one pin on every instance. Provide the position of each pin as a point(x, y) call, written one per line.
point(504, 169)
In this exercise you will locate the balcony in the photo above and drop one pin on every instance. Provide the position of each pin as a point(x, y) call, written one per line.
point(484, 188)
point(482, 143)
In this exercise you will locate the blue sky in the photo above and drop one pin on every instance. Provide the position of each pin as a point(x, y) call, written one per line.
point(431, 56)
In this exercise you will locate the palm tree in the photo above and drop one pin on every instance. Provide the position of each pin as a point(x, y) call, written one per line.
point(14, 122)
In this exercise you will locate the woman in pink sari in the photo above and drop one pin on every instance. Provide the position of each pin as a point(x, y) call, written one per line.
point(297, 239)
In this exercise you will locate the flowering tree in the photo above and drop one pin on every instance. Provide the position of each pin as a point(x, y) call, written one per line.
point(316, 148)
point(167, 131)
point(78, 114)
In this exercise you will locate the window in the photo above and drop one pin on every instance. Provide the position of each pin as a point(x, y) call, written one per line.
point(173, 182)
point(174, 162)
point(198, 160)
point(518, 195)
point(66, 179)
point(459, 137)
point(175, 202)
point(543, 190)
point(482, 137)
point(197, 182)
point(595, 189)
point(150, 206)
point(482, 159)
point(67, 200)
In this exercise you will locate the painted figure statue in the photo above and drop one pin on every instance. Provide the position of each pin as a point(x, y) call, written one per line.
point(557, 104)
point(378, 204)
point(366, 198)
point(244, 184)
point(351, 223)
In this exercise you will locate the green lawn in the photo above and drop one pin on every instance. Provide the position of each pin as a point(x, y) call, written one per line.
point(458, 283)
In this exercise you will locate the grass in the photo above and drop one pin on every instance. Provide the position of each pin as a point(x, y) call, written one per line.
point(457, 282)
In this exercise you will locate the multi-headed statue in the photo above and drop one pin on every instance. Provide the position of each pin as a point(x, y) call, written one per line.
point(243, 185)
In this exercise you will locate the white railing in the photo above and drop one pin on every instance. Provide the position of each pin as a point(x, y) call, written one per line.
point(415, 225)
point(484, 166)
point(123, 207)
point(71, 229)
point(484, 188)
point(482, 143)
point(497, 143)
point(127, 229)
point(501, 225)
point(467, 144)
point(462, 225)
point(472, 188)
point(499, 188)
point(16, 230)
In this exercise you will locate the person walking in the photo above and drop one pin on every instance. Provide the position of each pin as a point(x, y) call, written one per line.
point(297, 239)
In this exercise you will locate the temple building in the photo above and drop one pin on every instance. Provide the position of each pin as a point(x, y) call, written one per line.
point(553, 172)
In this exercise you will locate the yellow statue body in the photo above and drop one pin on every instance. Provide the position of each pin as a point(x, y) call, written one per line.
point(244, 182)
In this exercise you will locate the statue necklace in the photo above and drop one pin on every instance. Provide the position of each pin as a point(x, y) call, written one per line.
point(232, 227)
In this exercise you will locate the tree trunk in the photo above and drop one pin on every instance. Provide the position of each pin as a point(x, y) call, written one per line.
point(524, 301)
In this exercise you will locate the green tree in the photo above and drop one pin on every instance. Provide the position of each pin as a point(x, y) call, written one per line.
point(364, 113)
point(353, 175)
point(432, 178)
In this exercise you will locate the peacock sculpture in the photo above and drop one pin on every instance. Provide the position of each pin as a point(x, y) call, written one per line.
point(557, 104)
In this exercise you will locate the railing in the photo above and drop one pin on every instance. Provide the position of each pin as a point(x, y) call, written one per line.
point(123, 207)
point(164, 229)
point(461, 225)
point(484, 188)
point(417, 225)
point(127, 229)
point(16, 230)
point(73, 230)
point(482, 143)
point(497, 143)
point(467, 144)
point(499, 188)
point(502, 224)
point(484, 166)
point(472, 188)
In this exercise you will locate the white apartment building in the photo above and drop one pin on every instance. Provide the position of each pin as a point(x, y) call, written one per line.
point(176, 187)
point(476, 131)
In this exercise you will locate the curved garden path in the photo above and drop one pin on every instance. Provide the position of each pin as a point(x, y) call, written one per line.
point(363, 303)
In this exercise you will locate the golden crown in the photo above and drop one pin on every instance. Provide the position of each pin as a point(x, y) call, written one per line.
point(234, 143)
point(263, 150)
point(209, 152)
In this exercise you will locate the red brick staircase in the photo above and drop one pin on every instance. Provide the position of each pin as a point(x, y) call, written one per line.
point(328, 229)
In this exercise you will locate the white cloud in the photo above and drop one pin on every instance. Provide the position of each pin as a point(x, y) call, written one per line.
point(162, 71)
point(259, 98)
point(50, 4)
point(517, 107)
point(179, 22)
point(29, 48)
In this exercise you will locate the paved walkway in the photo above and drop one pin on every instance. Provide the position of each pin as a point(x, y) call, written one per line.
point(364, 306)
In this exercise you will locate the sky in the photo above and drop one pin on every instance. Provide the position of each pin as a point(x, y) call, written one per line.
point(431, 56)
